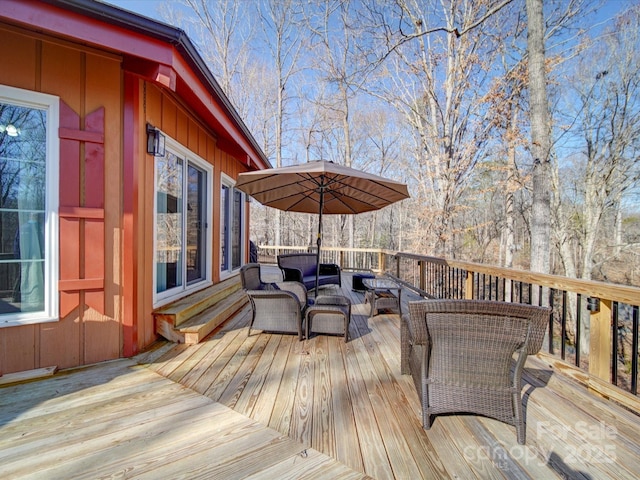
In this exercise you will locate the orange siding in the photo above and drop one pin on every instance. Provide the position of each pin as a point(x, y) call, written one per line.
point(88, 80)
point(168, 114)
point(22, 54)
point(85, 80)
point(103, 328)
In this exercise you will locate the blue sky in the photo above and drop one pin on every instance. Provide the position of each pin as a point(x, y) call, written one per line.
point(148, 8)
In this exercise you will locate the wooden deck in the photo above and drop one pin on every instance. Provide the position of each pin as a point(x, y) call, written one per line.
point(269, 406)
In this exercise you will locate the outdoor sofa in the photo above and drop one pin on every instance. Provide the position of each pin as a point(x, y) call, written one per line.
point(301, 267)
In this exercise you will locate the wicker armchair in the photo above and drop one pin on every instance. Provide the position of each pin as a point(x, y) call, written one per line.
point(460, 355)
point(276, 307)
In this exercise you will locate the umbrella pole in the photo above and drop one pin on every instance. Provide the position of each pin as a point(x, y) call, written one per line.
point(319, 241)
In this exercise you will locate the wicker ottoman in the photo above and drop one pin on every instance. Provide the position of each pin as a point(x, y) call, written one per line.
point(329, 314)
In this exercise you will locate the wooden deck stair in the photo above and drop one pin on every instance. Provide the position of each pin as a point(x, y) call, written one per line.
point(192, 318)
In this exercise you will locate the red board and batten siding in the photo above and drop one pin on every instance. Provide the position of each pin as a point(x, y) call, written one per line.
point(110, 91)
point(88, 82)
point(148, 103)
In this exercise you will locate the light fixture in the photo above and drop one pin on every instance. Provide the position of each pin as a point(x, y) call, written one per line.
point(10, 130)
point(155, 141)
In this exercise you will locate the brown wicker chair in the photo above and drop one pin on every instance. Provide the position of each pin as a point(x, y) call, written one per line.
point(460, 355)
point(276, 307)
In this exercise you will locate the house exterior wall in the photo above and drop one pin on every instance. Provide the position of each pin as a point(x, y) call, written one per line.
point(86, 80)
point(164, 111)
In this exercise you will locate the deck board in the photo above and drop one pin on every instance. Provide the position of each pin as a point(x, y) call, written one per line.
point(269, 406)
point(263, 404)
point(347, 450)
point(120, 420)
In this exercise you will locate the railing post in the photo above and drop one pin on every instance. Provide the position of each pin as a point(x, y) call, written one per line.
point(423, 275)
point(468, 286)
point(380, 262)
point(600, 341)
point(341, 259)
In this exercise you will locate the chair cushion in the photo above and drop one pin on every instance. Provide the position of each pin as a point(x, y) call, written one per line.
point(309, 271)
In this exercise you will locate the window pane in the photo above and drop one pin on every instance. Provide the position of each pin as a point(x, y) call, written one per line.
point(196, 249)
point(224, 227)
point(169, 177)
point(237, 230)
point(22, 205)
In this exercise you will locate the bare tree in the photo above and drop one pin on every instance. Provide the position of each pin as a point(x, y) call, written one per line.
point(223, 32)
point(438, 81)
point(283, 38)
point(606, 122)
point(540, 139)
point(340, 67)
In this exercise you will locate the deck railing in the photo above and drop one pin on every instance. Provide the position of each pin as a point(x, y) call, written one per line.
point(593, 332)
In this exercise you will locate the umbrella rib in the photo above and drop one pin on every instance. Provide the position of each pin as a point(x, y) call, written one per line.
point(333, 193)
point(339, 180)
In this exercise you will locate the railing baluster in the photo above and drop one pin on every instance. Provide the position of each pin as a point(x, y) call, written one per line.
point(563, 329)
point(551, 304)
point(484, 287)
point(578, 328)
point(453, 281)
point(540, 291)
point(634, 351)
point(614, 346)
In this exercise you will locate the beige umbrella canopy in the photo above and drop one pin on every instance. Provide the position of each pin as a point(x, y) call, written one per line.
point(321, 187)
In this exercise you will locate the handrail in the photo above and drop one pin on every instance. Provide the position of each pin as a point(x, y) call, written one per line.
point(618, 293)
point(591, 320)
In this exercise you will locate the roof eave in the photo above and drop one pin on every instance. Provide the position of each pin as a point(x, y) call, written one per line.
point(174, 36)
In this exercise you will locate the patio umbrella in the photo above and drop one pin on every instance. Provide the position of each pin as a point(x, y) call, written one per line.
point(321, 187)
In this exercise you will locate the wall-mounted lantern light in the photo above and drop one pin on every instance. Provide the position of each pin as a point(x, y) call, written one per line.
point(593, 304)
point(155, 141)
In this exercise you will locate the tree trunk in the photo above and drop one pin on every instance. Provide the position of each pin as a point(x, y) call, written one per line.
point(540, 142)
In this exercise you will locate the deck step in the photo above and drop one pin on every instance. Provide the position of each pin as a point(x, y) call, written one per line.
point(192, 318)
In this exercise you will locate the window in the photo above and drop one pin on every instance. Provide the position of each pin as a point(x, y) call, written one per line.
point(29, 151)
point(231, 226)
point(182, 205)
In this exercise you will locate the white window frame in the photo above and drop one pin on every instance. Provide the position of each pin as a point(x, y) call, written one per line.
point(163, 298)
point(229, 182)
point(51, 104)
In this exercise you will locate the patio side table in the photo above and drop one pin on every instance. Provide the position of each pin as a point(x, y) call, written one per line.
point(329, 314)
point(380, 295)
